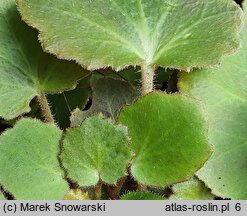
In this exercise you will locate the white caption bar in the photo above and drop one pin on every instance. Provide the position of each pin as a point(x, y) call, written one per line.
point(124, 208)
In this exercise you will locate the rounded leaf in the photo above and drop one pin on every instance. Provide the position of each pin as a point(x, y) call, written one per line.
point(96, 150)
point(29, 168)
point(25, 70)
point(169, 138)
point(224, 92)
point(117, 33)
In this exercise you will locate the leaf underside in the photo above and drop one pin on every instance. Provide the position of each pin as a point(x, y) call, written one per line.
point(168, 136)
point(95, 150)
point(25, 70)
point(224, 91)
point(28, 161)
point(176, 33)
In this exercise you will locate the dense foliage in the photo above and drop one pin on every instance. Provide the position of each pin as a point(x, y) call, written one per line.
point(131, 100)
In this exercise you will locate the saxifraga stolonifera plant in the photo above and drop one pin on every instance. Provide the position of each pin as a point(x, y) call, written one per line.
point(78, 125)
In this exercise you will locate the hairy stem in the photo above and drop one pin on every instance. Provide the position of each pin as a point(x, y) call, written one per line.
point(119, 186)
point(98, 191)
point(147, 78)
point(45, 108)
point(110, 192)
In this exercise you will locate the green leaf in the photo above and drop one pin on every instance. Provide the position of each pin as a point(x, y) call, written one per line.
point(63, 104)
point(29, 168)
point(1, 196)
point(117, 33)
point(224, 91)
point(132, 74)
point(96, 150)
point(193, 189)
point(169, 138)
point(141, 196)
point(25, 70)
point(109, 96)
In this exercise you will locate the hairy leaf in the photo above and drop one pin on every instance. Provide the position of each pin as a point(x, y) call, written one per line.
point(193, 189)
point(25, 70)
point(169, 138)
point(117, 33)
point(29, 168)
point(96, 150)
point(224, 91)
point(141, 196)
point(109, 95)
